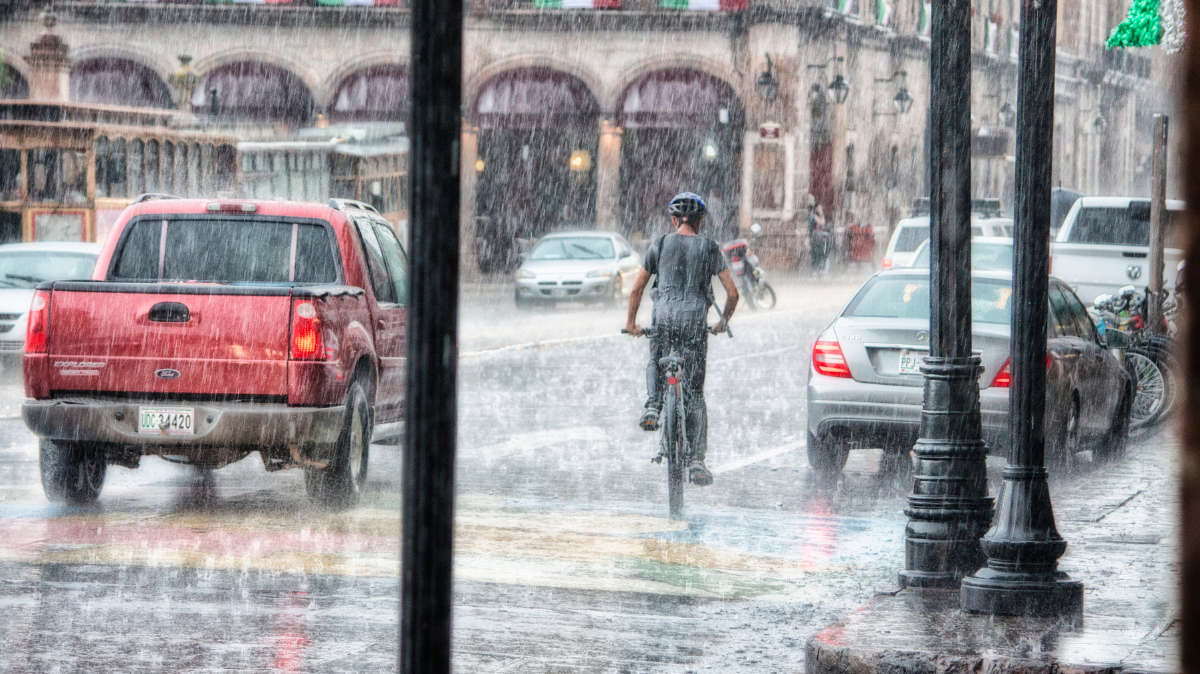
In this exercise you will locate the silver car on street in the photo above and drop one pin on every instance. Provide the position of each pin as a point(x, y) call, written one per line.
point(865, 387)
point(577, 267)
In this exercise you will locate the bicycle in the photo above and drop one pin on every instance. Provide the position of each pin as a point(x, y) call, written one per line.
point(673, 445)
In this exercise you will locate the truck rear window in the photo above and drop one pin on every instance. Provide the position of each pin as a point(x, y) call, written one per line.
point(226, 251)
point(1120, 226)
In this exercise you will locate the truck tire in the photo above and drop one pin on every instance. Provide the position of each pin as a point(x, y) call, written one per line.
point(827, 454)
point(340, 484)
point(72, 472)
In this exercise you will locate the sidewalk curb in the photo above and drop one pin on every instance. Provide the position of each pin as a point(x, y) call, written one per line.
point(925, 633)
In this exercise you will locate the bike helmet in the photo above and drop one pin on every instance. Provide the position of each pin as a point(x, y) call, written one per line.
point(687, 205)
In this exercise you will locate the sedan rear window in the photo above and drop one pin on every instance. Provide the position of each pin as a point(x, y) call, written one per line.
point(226, 251)
point(28, 268)
point(574, 248)
point(908, 297)
point(911, 238)
point(984, 257)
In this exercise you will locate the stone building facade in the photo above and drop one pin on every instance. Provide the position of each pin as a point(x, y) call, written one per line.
point(589, 117)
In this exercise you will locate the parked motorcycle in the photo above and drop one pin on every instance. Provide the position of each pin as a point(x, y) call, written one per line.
point(749, 276)
point(1149, 356)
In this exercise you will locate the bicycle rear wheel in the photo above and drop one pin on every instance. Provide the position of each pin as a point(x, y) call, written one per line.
point(673, 447)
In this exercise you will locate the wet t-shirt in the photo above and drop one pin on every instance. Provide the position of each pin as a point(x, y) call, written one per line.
point(684, 267)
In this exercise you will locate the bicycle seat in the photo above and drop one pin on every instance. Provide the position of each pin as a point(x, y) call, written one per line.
point(673, 361)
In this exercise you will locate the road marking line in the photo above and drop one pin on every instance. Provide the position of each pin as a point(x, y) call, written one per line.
point(540, 439)
point(722, 361)
point(536, 345)
point(761, 456)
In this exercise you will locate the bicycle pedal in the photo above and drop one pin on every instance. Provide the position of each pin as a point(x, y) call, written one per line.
point(657, 459)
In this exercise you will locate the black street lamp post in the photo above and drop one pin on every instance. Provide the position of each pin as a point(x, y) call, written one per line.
point(949, 509)
point(1023, 545)
point(429, 440)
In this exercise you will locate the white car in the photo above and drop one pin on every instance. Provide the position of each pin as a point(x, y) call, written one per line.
point(22, 267)
point(577, 267)
point(1104, 244)
point(910, 233)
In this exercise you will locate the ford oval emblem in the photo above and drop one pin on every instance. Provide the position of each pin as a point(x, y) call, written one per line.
point(167, 373)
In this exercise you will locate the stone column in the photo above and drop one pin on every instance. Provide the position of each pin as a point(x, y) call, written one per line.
point(50, 69)
point(468, 180)
point(608, 176)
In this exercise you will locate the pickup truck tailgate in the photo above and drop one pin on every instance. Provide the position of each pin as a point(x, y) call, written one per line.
point(224, 340)
point(1093, 269)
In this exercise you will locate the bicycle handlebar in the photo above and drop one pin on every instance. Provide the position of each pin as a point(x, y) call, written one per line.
point(649, 332)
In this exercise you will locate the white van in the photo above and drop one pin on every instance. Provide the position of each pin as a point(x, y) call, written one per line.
point(910, 233)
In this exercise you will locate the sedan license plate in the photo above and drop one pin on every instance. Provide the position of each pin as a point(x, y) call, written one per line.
point(166, 420)
point(910, 361)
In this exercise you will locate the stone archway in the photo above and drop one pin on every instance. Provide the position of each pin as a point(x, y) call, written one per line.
point(537, 143)
point(682, 131)
point(117, 81)
point(13, 85)
point(254, 92)
point(377, 93)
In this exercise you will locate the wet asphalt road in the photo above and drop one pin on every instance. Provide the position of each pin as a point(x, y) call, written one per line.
point(565, 560)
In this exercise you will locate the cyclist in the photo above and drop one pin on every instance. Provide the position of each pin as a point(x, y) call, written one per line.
point(683, 264)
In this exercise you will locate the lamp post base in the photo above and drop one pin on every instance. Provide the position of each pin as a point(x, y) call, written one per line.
point(1044, 595)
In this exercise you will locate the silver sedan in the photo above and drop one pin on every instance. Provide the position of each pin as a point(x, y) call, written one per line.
point(865, 387)
point(577, 267)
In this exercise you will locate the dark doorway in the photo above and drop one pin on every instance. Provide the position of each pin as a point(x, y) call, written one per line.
point(682, 132)
point(820, 157)
point(538, 140)
point(10, 228)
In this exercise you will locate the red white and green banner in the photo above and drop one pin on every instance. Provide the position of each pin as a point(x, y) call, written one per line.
point(577, 4)
point(883, 12)
point(357, 3)
point(705, 5)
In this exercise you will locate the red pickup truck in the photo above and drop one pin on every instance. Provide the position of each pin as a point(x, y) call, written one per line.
point(211, 329)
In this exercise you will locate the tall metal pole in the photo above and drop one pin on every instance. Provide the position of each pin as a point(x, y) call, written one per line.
point(1158, 225)
point(428, 517)
point(949, 509)
point(1023, 545)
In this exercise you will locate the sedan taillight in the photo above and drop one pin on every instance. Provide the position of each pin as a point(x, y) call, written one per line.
point(828, 359)
point(39, 322)
point(1004, 376)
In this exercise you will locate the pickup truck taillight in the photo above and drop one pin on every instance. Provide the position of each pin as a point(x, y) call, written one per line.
point(39, 319)
point(307, 343)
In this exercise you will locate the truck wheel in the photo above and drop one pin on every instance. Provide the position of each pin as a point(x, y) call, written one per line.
point(341, 483)
point(827, 454)
point(72, 472)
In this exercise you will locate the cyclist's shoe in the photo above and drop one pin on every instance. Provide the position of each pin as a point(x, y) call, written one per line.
point(699, 474)
point(649, 420)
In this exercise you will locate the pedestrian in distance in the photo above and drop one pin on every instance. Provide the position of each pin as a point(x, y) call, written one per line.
point(820, 239)
point(682, 264)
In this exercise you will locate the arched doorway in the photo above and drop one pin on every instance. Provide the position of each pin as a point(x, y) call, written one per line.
point(538, 137)
point(116, 81)
point(255, 93)
point(682, 132)
point(373, 94)
point(12, 84)
point(820, 157)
